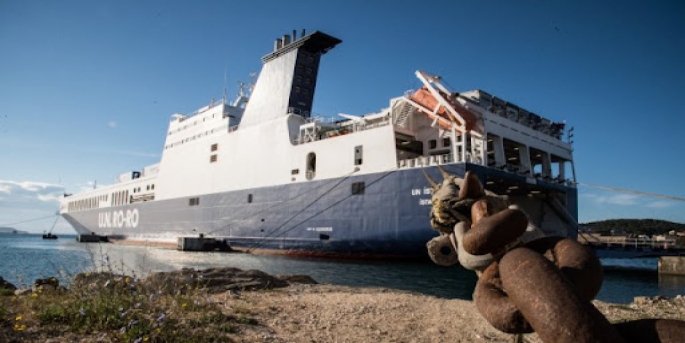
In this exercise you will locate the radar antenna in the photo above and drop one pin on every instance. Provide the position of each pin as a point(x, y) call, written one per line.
point(225, 94)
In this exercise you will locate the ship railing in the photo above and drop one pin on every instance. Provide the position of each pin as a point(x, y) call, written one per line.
point(211, 105)
point(337, 128)
point(426, 161)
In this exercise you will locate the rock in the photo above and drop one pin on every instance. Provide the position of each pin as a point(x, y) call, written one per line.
point(298, 279)
point(4, 284)
point(641, 300)
point(20, 292)
point(50, 283)
point(214, 280)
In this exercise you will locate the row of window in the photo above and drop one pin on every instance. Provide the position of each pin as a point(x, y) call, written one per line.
point(186, 126)
point(147, 188)
point(192, 138)
point(86, 204)
point(432, 144)
point(118, 198)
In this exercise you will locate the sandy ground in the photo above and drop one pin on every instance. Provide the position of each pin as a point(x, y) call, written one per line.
point(324, 313)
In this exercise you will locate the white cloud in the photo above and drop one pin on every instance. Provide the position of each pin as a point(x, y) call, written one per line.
point(660, 204)
point(29, 191)
point(29, 205)
point(112, 124)
point(617, 199)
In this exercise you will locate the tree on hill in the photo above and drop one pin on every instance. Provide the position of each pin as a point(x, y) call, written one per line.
point(648, 227)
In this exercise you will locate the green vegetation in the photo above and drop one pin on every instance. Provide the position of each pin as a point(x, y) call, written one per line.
point(647, 227)
point(121, 309)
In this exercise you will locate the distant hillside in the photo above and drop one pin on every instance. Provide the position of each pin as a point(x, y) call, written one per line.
point(10, 230)
point(636, 226)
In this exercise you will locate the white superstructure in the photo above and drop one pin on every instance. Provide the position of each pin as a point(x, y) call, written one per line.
point(268, 138)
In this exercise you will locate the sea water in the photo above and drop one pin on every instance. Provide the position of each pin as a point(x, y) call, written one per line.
point(24, 258)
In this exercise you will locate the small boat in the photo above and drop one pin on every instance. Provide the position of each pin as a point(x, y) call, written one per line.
point(49, 235)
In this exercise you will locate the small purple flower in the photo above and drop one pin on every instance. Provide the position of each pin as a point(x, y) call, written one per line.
point(161, 317)
point(82, 312)
point(138, 340)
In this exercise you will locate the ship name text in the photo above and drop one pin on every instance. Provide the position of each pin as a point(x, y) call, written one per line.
point(424, 191)
point(119, 219)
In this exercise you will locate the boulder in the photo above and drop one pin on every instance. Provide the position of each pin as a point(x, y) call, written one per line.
point(298, 279)
point(4, 284)
point(213, 280)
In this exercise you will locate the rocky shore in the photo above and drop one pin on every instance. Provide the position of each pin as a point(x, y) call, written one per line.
point(231, 305)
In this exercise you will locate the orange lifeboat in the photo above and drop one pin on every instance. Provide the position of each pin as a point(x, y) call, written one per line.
point(426, 99)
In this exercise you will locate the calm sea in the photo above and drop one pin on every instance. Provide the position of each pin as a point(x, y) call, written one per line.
point(24, 258)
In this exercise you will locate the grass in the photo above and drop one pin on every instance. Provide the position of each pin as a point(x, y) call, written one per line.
point(122, 309)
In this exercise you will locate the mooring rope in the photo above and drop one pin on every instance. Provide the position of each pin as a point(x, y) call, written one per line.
point(258, 243)
point(281, 203)
point(30, 220)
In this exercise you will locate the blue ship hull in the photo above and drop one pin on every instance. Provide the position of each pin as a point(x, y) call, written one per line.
point(383, 215)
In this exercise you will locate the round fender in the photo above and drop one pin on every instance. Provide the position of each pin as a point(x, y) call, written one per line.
point(468, 261)
point(494, 305)
point(652, 330)
point(549, 301)
point(575, 261)
point(441, 251)
point(492, 233)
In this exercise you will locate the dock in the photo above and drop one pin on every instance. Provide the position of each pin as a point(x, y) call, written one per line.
point(672, 265)
point(91, 239)
point(202, 244)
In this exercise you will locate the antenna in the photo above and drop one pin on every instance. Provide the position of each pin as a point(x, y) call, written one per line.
point(253, 81)
point(225, 96)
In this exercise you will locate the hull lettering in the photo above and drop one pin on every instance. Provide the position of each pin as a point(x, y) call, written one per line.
point(119, 219)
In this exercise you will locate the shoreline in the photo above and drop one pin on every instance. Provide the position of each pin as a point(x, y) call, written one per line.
point(257, 307)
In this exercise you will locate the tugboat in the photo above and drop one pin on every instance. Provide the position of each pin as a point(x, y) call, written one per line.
point(49, 235)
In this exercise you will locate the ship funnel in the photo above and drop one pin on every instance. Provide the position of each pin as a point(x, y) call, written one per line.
point(278, 43)
point(286, 40)
point(295, 35)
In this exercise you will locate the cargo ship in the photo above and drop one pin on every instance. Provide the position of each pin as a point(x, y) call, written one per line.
point(262, 174)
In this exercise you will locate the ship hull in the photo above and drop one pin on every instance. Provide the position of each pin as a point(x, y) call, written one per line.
point(376, 215)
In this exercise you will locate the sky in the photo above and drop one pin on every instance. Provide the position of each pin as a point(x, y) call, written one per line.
point(87, 87)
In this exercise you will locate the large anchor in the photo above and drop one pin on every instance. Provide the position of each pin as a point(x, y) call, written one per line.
point(527, 282)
